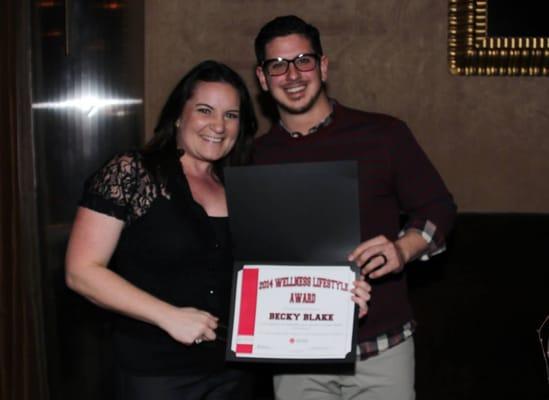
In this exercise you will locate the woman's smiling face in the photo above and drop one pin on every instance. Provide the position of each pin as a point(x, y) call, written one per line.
point(209, 123)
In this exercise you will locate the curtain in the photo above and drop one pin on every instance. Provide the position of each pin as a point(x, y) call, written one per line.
point(22, 349)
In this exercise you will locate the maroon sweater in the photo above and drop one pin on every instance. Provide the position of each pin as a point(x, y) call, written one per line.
point(395, 176)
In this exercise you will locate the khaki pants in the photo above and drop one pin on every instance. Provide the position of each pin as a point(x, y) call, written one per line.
point(387, 376)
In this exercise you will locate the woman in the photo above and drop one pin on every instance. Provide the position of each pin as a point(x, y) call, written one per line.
point(159, 218)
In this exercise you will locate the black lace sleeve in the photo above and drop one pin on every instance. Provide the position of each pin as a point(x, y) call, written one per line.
point(121, 188)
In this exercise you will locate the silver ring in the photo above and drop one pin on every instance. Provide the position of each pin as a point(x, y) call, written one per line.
point(198, 341)
point(384, 259)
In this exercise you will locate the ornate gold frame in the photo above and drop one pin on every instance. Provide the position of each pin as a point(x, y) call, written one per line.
point(472, 52)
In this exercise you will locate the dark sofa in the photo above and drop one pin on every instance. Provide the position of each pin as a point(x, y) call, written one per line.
point(478, 306)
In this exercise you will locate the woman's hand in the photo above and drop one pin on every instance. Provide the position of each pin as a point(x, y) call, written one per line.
point(189, 325)
point(361, 296)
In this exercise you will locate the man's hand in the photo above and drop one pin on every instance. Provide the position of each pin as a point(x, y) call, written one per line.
point(380, 256)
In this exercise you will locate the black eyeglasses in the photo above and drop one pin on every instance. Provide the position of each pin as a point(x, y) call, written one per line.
point(279, 66)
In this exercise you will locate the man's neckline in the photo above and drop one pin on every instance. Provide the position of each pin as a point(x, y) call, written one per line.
point(325, 122)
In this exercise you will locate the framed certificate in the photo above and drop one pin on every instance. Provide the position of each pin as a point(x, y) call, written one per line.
point(297, 222)
point(292, 313)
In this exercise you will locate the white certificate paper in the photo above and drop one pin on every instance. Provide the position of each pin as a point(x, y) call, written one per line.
point(293, 312)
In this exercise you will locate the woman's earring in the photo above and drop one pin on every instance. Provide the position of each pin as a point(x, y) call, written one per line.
point(177, 123)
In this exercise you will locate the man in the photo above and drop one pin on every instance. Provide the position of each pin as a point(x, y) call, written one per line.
point(395, 177)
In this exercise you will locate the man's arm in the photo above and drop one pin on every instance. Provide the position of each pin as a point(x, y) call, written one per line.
point(423, 197)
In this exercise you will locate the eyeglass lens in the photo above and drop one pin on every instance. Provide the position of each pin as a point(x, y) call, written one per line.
point(303, 63)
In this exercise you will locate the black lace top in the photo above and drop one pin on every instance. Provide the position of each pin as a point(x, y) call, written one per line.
point(170, 248)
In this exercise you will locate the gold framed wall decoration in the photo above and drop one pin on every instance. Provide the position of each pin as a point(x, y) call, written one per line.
point(474, 48)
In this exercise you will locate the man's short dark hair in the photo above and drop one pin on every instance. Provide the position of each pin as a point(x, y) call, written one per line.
point(284, 26)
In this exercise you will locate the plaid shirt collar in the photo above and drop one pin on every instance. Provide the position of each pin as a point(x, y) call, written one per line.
point(325, 122)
